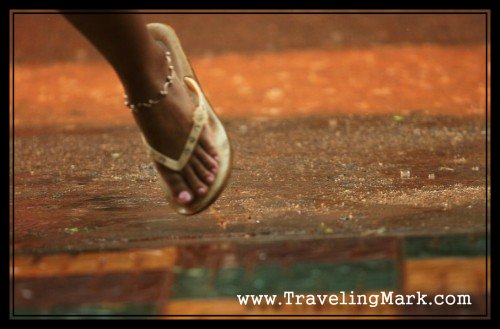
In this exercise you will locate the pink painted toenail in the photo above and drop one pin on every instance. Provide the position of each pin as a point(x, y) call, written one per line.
point(214, 170)
point(216, 158)
point(202, 190)
point(185, 197)
point(210, 178)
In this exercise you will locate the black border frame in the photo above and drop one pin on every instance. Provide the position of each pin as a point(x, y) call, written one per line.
point(13, 12)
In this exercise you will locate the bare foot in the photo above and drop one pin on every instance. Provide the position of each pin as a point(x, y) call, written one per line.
point(166, 127)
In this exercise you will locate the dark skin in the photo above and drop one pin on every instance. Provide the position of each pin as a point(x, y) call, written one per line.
point(141, 66)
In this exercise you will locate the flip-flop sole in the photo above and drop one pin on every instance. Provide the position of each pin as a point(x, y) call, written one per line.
point(164, 33)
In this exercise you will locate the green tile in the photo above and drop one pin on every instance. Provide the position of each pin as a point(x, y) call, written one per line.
point(449, 246)
point(360, 276)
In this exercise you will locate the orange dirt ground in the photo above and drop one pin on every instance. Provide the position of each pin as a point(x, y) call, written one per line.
point(434, 79)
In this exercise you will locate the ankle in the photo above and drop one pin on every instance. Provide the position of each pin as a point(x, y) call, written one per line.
point(146, 80)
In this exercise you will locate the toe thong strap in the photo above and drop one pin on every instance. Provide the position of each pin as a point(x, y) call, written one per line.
point(200, 118)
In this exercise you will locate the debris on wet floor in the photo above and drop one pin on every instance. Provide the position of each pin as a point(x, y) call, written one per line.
point(405, 174)
point(276, 187)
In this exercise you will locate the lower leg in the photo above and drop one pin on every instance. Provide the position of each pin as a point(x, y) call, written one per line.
point(140, 63)
point(124, 41)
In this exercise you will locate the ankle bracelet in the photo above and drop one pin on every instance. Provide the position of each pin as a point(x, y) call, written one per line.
point(134, 107)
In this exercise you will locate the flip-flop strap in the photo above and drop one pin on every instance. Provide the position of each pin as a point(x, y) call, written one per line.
point(200, 118)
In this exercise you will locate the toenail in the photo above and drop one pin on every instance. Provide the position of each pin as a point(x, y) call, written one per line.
point(201, 190)
point(214, 170)
point(216, 158)
point(185, 196)
point(210, 178)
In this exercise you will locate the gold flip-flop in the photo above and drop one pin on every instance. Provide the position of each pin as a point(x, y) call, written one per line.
point(203, 115)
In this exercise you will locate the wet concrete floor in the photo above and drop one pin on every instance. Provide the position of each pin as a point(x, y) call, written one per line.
point(333, 175)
